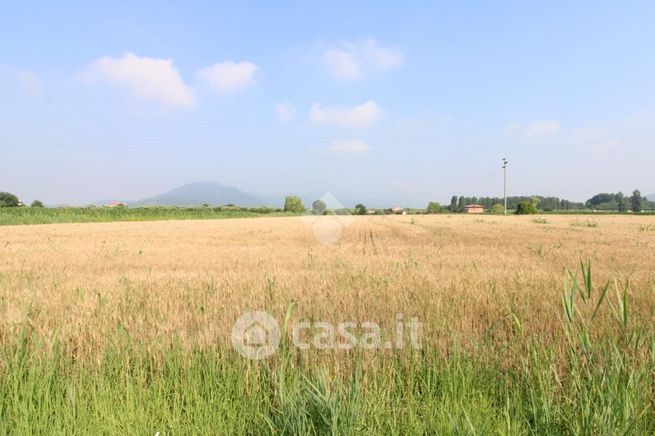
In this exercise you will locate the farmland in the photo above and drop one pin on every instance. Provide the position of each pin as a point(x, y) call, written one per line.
point(529, 325)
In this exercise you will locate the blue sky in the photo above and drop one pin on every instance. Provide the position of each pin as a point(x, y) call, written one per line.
point(419, 100)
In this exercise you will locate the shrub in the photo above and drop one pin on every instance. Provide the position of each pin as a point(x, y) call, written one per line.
point(319, 207)
point(433, 207)
point(498, 209)
point(36, 203)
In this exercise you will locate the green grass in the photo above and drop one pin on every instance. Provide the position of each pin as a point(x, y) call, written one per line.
point(25, 215)
point(603, 386)
point(214, 393)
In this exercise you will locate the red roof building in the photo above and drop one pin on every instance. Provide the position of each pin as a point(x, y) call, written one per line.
point(473, 208)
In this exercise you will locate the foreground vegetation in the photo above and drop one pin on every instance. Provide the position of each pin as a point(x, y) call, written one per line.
point(33, 215)
point(605, 387)
point(124, 327)
point(60, 215)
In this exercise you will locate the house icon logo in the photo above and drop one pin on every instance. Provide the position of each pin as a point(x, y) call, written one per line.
point(256, 335)
point(328, 229)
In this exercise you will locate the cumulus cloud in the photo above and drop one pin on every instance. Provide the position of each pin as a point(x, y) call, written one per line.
point(342, 64)
point(152, 79)
point(228, 77)
point(363, 115)
point(351, 60)
point(542, 128)
point(285, 111)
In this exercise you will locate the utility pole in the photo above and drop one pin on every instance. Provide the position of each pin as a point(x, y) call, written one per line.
point(505, 182)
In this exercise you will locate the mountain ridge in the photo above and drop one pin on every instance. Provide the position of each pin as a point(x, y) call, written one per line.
point(199, 193)
point(217, 194)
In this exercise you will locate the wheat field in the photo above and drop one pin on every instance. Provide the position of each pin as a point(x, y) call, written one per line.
point(488, 290)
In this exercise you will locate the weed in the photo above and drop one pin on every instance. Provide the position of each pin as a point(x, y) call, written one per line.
point(586, 223)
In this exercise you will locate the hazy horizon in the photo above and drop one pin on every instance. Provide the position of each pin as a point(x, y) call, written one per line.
point(418, 100)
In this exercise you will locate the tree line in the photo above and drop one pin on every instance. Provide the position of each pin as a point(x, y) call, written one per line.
point(547, 204)
point(619, 202)
point(8, 199)
point(610, 202)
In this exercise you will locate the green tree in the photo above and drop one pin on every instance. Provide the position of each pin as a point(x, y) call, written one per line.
point(636, 201)
point(293, 204)
point(319, 207)
point(433, 207)
point(453, 204)
point(623, 204)
point(36, 203)
point(600, 199)
point(8, 200)
point(498, 209)
point(526, 207)
point(360, 209)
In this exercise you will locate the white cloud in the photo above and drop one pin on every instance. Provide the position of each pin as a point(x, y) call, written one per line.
point(342, 64)
point(350, 60)
point(348, 146)
point(285, 111)
point(542, 128)
point(146, 78)
point(228, 77)
point(363, 115)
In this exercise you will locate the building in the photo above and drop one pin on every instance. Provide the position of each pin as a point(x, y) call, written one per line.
point(115, 204)
point(473, 208)
point(397, 210)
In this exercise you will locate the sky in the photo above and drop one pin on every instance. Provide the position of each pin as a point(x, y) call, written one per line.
point(419, 100)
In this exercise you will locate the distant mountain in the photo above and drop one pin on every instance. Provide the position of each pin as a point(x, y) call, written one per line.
point(216, 194)
point(196, 194)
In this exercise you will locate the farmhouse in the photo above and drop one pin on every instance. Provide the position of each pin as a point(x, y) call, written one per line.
point(398, 210)
point(115, 204)
point(473, 208)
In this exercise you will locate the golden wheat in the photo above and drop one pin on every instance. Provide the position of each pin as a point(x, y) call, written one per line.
point(466, 278)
